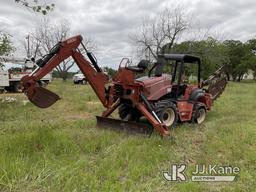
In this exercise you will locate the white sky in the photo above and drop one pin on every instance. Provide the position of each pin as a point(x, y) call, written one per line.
point(110, 23)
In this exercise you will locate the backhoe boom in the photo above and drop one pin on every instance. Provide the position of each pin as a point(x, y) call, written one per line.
point(58, 54)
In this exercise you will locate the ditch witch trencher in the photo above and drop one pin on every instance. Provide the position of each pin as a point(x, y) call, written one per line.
point(161, 99)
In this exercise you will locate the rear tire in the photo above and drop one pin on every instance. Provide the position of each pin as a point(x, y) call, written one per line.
point(46, 82)
point(17, 87)
point(199, 114)
point(167, 112)
point(84, 82)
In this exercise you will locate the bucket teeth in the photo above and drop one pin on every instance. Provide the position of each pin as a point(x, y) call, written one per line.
point(125, 126)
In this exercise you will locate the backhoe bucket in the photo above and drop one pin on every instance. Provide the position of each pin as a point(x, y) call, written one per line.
point(125, 126)
point(42, 97)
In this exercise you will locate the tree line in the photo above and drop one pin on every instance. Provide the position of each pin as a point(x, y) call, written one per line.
point(238, 58)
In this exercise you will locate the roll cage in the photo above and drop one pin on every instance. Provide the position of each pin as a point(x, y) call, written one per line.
point(180, 60)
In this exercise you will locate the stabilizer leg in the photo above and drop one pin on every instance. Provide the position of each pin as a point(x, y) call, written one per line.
point(161, 128)
point(110, 110)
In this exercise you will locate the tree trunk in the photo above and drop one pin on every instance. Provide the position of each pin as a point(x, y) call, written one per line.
point(234, 77)
point(239, 78)
point(228, 76)
point(64, 75)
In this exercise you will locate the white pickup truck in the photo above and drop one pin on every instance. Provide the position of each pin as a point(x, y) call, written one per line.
point(79, 79)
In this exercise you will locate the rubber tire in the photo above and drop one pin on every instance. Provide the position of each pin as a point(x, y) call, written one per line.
point(196, 113)
point(46, 82)
point(16, 87)
point(128, 113)
point(84, 82)
point(161, 107)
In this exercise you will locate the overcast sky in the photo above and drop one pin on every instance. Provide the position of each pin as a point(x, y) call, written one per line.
point(110, 23)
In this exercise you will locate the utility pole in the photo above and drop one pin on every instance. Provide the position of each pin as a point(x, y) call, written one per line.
point(28, 50)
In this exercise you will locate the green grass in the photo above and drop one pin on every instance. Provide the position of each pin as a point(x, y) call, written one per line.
point(60, 148)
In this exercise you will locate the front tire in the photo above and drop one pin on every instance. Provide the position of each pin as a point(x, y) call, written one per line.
point(167, 112)
point(199, 114)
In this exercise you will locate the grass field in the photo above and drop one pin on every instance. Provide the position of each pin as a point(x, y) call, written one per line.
point(60, 148)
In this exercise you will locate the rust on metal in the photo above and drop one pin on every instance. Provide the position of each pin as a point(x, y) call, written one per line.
point(42, 97)
point(216, 83)
point(126, 126)
point(139, 96)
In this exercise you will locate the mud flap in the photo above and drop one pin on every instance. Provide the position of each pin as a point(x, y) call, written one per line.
point(42, 97)
point(125, 126)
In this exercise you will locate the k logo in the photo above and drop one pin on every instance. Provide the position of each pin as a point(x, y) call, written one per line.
point(177, 173)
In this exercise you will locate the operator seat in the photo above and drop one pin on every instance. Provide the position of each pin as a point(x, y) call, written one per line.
point(140, 68)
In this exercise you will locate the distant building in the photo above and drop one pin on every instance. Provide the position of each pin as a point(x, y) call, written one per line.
point(248, 75)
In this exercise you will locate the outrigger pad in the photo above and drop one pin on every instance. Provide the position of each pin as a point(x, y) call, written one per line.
point(125, 126)
point(42, 97)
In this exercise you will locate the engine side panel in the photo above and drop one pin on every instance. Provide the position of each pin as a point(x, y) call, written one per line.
point(156, 87)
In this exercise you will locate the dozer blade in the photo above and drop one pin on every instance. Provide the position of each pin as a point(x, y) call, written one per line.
point(42, 97)
point(125, 126)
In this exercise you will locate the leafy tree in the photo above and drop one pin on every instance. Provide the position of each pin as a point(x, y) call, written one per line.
point(5, 44)
point(37, 6)
point(210, 51)
point(237, 57)
point(251, 58)
point(56, 74)
point(251, 44)
point(237, 53)
point(111, 72)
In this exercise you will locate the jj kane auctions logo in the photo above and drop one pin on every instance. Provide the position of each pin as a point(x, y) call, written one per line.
point(208, 173)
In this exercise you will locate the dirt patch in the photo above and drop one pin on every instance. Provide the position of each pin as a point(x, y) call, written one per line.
point(11, 94)
point(8, 100)
point(12, 97)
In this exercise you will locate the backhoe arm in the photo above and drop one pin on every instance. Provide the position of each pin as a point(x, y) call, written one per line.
point(42, 97)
